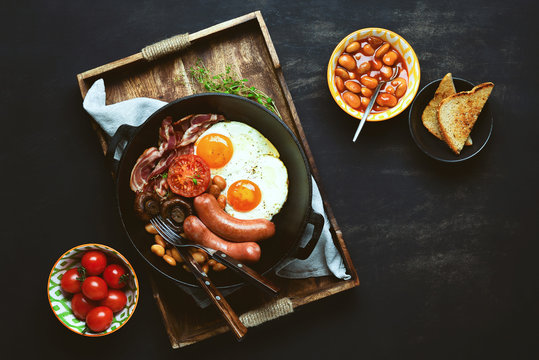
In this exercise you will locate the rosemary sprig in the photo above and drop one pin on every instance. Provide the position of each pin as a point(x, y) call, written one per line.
point(228, 83)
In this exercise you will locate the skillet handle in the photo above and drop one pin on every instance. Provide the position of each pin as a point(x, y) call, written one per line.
point(123, 134)
point(317, 220)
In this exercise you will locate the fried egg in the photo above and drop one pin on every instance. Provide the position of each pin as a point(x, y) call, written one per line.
point(257, 180)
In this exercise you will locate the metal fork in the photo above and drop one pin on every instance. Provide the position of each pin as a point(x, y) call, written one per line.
point(231, 318)
point(175, 239)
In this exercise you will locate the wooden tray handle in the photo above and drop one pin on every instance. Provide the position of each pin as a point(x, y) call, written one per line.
point(165, 47)
point(267, 312)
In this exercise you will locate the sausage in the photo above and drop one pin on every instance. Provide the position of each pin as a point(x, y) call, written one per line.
point(195, 230)
point(227, 226)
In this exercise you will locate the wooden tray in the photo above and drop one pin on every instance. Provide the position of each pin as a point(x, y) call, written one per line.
point(243, 43)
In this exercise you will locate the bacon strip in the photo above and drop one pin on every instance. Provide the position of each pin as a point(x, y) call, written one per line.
point(143, 168)
point(199, 123)
point(167, 160)
point(161, 187)
point(175, 138)
point(167, 136)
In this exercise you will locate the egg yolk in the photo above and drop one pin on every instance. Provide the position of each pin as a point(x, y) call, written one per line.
point(215, 149)
point(243, 195)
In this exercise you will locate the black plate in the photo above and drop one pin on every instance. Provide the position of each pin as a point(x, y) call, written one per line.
point(436, 148)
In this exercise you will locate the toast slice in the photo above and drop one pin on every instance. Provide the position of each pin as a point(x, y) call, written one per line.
point(458, 113)
point(430, 120)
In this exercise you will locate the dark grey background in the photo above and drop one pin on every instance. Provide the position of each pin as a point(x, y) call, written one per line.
point(446, 253)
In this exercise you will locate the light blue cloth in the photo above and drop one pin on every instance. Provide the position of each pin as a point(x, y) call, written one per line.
point(131, 112)
point(325, 258)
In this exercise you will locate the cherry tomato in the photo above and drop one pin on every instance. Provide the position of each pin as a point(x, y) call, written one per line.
point(95, 288)
point(81, 306)
point(115, 300)
point(70, 281)
point(94, 262)
point(115, 275)
point(189, 175)
point(99, 318)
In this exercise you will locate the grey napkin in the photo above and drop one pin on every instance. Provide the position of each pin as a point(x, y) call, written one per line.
point(325, 258)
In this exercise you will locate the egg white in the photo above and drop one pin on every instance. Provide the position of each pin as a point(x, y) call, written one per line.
point(255, 159)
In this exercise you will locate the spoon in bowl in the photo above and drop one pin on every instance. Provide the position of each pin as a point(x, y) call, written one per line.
point(371, 104)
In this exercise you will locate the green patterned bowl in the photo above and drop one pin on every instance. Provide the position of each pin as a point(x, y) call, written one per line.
point(61, 302)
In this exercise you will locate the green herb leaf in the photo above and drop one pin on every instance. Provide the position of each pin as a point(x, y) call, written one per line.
point(123, 279)
point(82, 273)
point(229, 83)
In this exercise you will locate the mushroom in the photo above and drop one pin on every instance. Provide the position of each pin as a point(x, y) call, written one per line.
point(176, 209)
point(147, 205)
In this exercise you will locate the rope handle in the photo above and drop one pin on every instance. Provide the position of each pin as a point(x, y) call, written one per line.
point(166, 47)
point(268, 312)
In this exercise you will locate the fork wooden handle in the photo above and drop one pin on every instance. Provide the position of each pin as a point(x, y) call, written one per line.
point(247, 273)
point(215, 295)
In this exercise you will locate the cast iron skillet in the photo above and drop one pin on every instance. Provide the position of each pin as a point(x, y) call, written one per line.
point(290, 222)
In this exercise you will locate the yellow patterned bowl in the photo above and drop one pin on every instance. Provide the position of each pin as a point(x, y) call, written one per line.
point(60, 301)
point(402, 47)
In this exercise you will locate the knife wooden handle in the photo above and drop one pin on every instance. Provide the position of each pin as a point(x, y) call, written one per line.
point(215, 295)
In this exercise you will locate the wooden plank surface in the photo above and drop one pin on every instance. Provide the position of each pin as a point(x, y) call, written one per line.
point(245, 45)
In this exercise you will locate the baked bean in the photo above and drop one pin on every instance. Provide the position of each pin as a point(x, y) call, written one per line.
point(374, 41)
point(347, 62)
point(221, 200)
point(211, 262)
point(218, 267)
point(170, 260)
point(160, 241)
point(186, 268)
point(390, 58)
point(368, 50)
point(369, 61)
point(366, 92)
point(352, 47)
point(369, 82)
point(158, 250)
point(199, 258)
point(398, 81)
point(365, 101)
point(376, 64)
point(214, 190)
point(176, 255)
point(205, 268)
point(150, 229)
point(341, 73)
point(386, 72)
point(364, 68)
point(401, 86)
point(353, 86)
point(351, 99)
point(382, 50)
point(339, 83)
point(386, 99)
point(401, 90)
point(219, 181)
